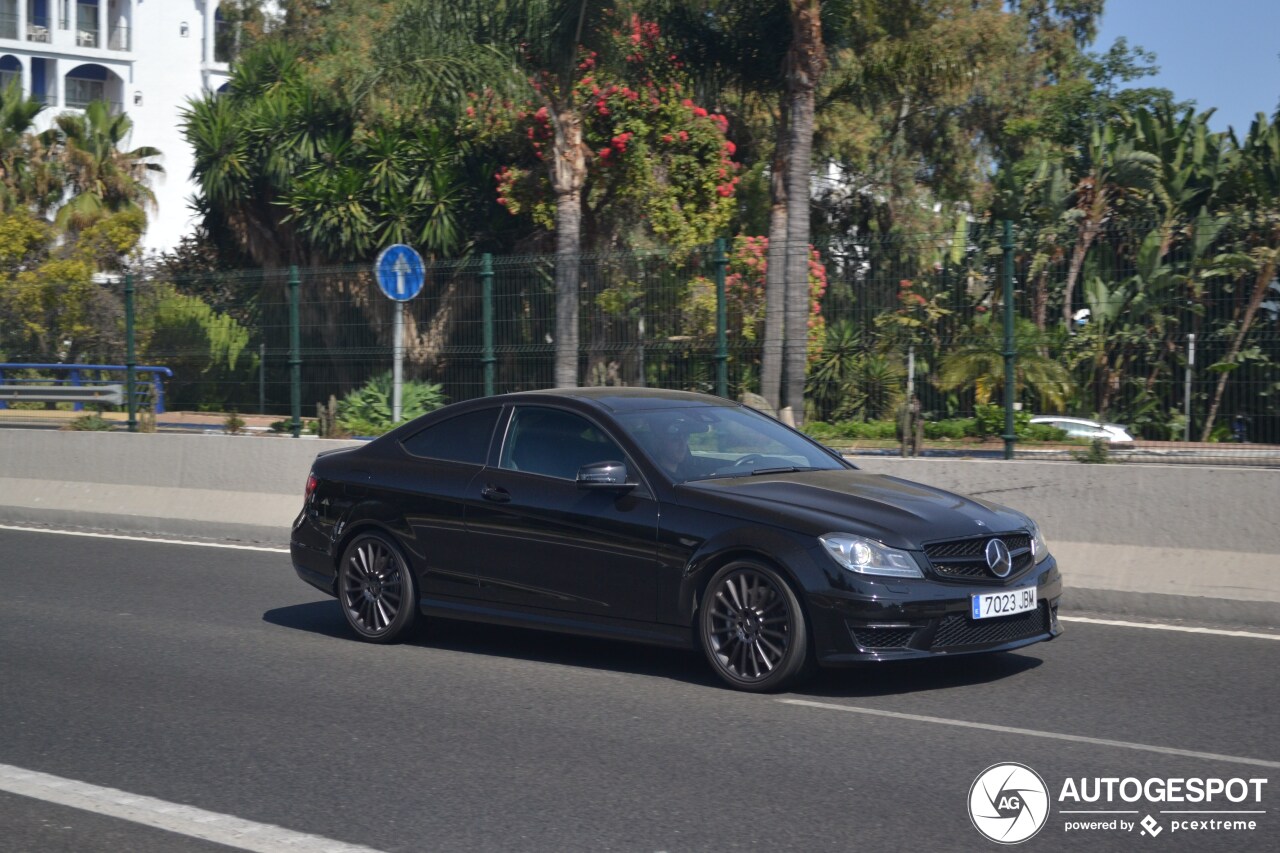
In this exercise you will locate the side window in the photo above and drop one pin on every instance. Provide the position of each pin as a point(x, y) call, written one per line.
point(461, 439)
point(554, 443)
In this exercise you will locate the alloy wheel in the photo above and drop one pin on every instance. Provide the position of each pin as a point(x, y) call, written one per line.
point(750, 626)
point(375, 589)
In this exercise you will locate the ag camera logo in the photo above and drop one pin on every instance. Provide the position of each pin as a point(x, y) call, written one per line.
point(1008, 803)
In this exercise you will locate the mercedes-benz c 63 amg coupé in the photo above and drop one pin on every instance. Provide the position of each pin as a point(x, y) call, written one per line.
point(671, 518)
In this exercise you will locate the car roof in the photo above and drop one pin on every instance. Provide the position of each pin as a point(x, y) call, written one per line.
point(622, 399)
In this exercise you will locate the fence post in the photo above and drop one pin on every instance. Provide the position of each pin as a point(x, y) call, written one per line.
point(130, 357)
point(262, 379)
point(486, 289)
point(721, 262)
point(1186, 392)
point(295, 354)
point(1009, 352)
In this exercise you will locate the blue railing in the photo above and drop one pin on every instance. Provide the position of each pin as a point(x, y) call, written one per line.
point(75, 376)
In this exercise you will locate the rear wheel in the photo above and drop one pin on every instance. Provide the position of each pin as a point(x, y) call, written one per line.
point(753, 629)
point(376, 589)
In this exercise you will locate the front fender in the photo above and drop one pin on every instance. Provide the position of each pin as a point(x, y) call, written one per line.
point(782, 549)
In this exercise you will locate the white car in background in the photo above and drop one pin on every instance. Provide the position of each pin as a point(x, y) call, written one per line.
point(1084, 428)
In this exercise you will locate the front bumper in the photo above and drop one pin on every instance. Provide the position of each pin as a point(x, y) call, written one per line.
point(899, 620)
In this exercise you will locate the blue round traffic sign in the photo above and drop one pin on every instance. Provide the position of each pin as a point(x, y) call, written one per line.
point(400, 272)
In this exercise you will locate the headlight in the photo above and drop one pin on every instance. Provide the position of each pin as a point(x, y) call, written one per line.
point(869, 557)
point(1039, 550)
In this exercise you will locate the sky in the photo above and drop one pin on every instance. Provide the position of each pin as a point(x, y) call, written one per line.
point(1219, 53)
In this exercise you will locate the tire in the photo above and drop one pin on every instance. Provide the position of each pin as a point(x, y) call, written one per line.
point(752, 628)
point(376, 589)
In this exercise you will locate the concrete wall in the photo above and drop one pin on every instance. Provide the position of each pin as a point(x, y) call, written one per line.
point(1168, 541)
point(247, 488)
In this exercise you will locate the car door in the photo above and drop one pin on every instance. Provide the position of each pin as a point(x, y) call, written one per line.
point(539, 540)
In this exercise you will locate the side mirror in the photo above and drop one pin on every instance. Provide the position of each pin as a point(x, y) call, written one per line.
point(604, 475)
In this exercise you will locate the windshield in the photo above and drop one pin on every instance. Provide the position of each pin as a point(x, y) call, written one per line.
point(702, 442)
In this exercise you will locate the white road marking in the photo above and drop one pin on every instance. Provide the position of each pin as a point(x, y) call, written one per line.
point(172, 817)
point(943, 721)
point(146, 539)
point(1159, 626)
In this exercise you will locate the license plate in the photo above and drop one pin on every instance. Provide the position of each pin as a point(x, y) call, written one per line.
point(989, 605)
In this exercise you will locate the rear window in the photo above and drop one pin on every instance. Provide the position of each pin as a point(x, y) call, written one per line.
point(461, 439)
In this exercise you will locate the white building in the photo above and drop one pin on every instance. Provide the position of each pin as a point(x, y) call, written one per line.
point(145, 57)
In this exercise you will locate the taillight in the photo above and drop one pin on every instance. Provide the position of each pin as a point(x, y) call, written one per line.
point(311, 487)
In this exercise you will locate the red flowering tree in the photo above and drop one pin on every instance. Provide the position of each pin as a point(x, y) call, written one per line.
point(660, 168)
point(744, 287)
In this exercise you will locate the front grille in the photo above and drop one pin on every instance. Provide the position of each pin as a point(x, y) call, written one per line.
point(958, 629)
point(883, 638)
point(966, 560)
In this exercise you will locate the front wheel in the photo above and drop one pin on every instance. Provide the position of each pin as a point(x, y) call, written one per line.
point(753, 629)
point(376, 589)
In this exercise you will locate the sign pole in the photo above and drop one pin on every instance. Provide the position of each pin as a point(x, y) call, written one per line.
point(400, 274)
point(397, 373)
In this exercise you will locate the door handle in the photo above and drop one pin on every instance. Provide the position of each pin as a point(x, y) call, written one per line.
point(496, 494)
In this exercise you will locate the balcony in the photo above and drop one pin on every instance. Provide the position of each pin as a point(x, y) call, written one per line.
point(8, 25)
point(38, 29)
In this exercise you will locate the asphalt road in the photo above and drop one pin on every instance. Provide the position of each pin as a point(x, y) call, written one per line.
point(215, 679)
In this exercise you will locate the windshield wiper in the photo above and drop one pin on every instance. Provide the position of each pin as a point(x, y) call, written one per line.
point(790, 469)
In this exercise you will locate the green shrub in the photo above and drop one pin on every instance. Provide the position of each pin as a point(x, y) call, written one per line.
point(820, 430)
point(367, 410)
point(91, 423)
point(208, 351)
point(865, 430)
point(951, 429)
point(1043, 432)
point(989, 421)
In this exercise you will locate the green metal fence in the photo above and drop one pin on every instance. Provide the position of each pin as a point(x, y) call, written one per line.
point(1175, 337)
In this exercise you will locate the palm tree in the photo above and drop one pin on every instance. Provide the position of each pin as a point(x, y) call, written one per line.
point(1256, 187)
point(978, 363)
point(806, 62)
point(1114, 172)
point(103, 179)
point(26, 176)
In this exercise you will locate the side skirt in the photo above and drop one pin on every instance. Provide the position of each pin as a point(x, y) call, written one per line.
point(671, 636)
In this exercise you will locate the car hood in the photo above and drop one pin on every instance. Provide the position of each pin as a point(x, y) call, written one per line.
point(900, 513)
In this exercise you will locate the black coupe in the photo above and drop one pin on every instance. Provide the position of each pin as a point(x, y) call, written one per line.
point(671, 518)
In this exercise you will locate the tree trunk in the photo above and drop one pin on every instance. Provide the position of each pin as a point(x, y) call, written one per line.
point(775, 286)
point(568, 168)
point(805, 63)
point(1260, 287)
point(1040, 299)
point(1088, 233)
